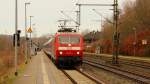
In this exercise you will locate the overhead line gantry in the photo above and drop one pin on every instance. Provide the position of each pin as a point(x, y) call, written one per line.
point(115, 25)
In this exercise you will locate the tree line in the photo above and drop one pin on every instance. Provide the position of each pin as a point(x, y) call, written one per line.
point(134, 29)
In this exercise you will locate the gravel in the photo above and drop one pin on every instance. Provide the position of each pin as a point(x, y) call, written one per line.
point(105, 76)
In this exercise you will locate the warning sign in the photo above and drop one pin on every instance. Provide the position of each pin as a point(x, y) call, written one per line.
point(29, 30)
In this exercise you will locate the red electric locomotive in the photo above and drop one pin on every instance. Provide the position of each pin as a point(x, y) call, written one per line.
point(67, 48)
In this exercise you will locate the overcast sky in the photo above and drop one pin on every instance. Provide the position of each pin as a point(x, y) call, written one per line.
point(47, 12)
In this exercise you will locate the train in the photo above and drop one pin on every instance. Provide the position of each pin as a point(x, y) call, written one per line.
point(66, 48)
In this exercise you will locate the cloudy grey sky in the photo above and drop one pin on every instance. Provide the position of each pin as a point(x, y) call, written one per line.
point(47, 12)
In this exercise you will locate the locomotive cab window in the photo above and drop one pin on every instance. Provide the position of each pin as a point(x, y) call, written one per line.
point(69, 39)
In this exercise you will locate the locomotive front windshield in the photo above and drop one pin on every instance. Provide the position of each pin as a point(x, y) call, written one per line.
point(69, 39)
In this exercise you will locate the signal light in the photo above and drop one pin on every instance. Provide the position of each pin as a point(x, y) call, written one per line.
point(14, 39)
point(18, 38)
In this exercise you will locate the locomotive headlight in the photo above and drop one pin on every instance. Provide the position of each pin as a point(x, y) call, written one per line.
point(60, 53)
point(78, 53)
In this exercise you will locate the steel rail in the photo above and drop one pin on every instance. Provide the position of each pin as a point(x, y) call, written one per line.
point(136, 77)
point(129, 62)
point(90, 77)
point(72, 80)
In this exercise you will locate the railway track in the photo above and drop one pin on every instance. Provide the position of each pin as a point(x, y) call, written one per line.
point(124, 73)
point(90, 77)
point(78, 77)
point(72, 80)
point(134, 63)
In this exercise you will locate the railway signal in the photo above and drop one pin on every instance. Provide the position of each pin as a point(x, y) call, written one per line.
point(18, 38)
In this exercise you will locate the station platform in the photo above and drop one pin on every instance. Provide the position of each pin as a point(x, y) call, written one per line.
point(41, 71)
